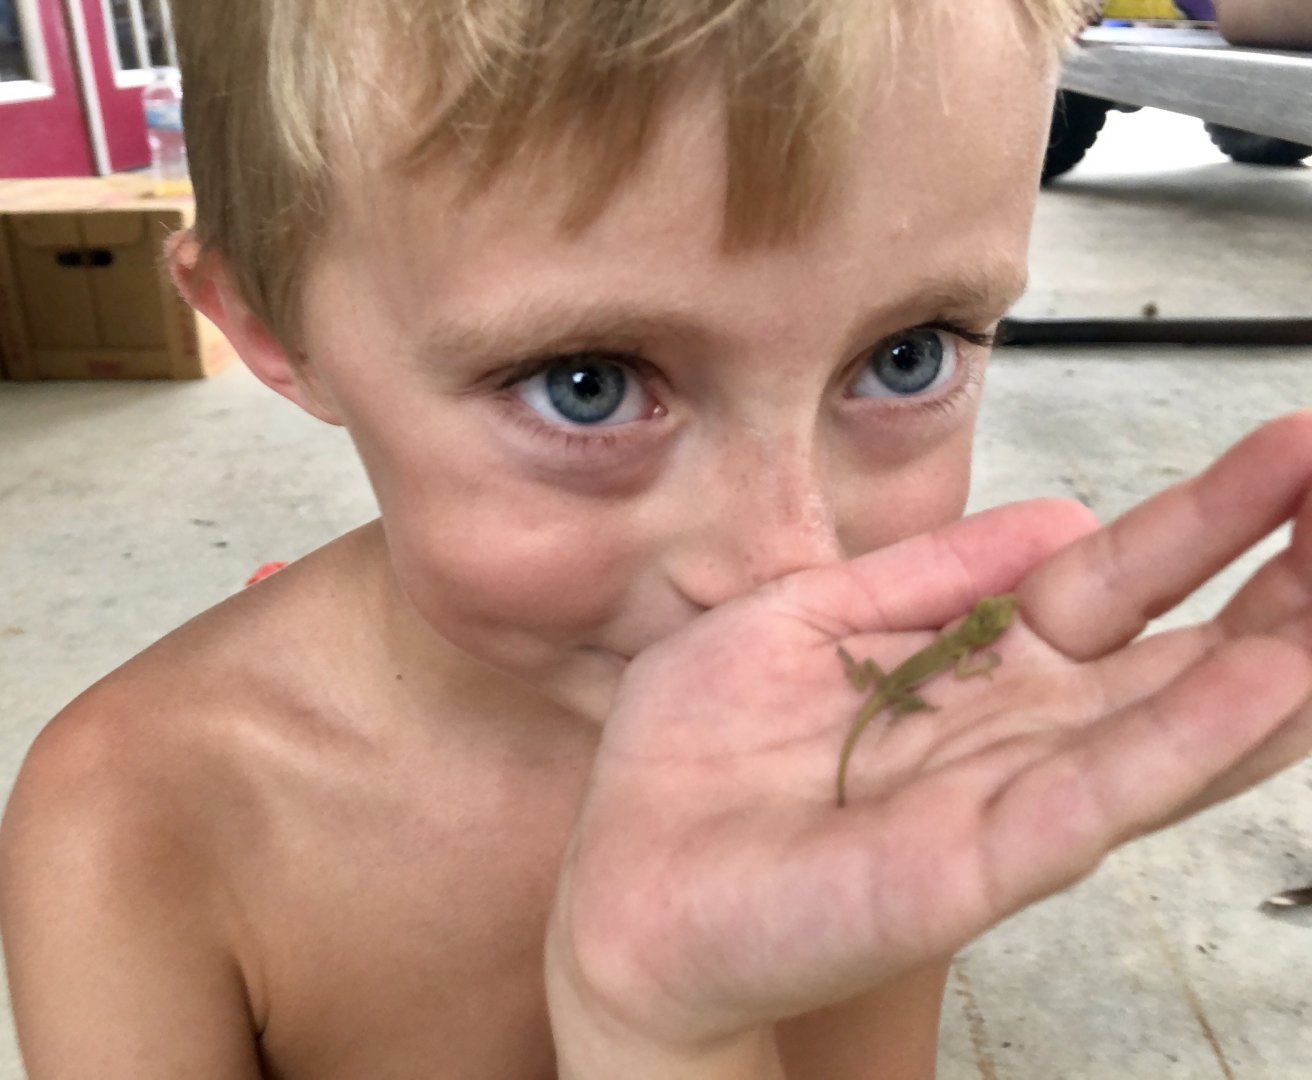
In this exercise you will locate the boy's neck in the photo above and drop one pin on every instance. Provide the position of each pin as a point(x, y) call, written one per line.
point(434, 677)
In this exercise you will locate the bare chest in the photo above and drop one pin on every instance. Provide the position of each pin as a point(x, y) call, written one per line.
point(398, 923)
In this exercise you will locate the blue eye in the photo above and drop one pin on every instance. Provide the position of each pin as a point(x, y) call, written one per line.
point(910, 364)
point(589, 390)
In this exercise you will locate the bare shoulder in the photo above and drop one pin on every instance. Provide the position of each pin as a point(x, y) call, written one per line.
point(104, 827)
point(130, 827)
point(95, 779)
point(113, 779)
point(159, 750)
point(258, 828)
point(120, 943)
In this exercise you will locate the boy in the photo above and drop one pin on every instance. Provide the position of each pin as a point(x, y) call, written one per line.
point(660, 330)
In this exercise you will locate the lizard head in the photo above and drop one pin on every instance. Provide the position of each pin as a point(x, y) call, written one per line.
point(987, 621)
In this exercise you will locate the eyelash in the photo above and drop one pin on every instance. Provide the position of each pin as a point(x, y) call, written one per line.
point(570, 440)
point(594, 440)
point(974, 337)
point(969, 378)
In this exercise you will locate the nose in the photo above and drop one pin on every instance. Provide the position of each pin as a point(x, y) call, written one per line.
point(764, 512)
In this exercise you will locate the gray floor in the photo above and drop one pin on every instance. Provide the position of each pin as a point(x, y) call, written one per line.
point(124, 509)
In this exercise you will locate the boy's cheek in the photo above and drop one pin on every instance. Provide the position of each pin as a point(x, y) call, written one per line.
point(917, 497)
point(505, 565)
point(501, 574)
point(557, 589)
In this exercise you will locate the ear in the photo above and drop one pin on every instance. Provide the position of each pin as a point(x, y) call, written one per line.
point(206, 283)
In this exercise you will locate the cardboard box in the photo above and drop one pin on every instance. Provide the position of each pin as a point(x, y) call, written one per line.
point(84, 291)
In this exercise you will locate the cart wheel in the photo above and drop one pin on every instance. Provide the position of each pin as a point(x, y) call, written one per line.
point(1075, 126)
point(1252, 149)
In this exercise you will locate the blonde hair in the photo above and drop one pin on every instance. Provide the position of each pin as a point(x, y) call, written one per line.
point(275, 91)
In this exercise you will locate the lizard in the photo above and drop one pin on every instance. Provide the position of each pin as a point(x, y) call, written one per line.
point(895, 689)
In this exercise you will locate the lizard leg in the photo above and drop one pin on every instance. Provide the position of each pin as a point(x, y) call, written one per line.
point(984, 667)
point(912, 703)
point(862, 675)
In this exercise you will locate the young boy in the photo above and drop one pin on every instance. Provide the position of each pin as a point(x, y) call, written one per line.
point(660, 330)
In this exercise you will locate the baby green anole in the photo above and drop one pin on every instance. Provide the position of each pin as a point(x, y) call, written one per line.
point(951, 649)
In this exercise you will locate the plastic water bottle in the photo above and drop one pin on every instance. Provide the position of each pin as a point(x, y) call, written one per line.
point(162, 100)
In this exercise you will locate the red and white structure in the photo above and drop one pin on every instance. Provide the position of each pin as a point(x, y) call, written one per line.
point(71, 75)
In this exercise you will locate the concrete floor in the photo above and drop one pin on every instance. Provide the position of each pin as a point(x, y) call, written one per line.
point(124, 509)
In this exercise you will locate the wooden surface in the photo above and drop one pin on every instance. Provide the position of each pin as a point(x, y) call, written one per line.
point(125, 191)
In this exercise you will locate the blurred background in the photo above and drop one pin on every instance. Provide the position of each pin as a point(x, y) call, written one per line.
point(144, 476)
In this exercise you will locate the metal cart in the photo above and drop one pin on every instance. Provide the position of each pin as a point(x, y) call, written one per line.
point(1196, 72)
point(1266, 93)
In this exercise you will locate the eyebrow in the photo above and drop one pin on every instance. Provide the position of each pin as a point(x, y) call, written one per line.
point(540, 327)
point(978, 292)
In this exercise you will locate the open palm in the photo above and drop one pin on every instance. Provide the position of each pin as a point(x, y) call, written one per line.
point(712, 883)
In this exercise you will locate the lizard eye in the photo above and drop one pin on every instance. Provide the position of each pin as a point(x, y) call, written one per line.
point(912, 363)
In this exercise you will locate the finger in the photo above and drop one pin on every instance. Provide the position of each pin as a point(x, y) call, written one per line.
point(1280, 591)
point(929, 580)
point(1102, 591)
point(1140, 769)
point(1034, 814)
point(1286, 746)
point(1146, 667)
point(1282, 587)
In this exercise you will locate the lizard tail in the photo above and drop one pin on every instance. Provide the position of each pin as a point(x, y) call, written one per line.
point(862, 721)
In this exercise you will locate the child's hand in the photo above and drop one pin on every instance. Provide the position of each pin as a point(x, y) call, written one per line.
point(712, 886)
